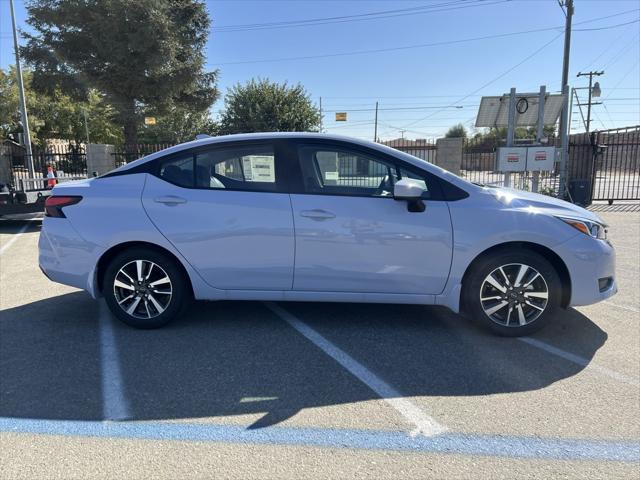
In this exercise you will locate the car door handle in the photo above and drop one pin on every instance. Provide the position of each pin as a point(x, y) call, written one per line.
point(170, 200)
point(317, 214)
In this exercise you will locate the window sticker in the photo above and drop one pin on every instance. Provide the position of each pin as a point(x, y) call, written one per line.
point(331, 176)
point(261, 168)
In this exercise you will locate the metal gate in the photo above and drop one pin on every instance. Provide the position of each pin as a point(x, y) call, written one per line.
point(616, 164)
point(66, 161)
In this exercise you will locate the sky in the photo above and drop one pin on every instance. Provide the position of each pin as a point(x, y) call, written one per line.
point(426, 63)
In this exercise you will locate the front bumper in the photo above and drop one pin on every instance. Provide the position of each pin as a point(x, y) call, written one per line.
point(65, 257)
point(589, 261)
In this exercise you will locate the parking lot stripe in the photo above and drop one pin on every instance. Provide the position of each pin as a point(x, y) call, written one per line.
point(423, 423)
point(383, 440)
point(578, 360)
point(15, 237)
point(114, 403)
point(623, 307)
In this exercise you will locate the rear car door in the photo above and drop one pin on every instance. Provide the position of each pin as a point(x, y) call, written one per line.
point(226, 208)
point(352, 236)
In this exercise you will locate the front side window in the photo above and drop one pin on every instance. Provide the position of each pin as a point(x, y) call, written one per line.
point(237, 168)
point(339, 171)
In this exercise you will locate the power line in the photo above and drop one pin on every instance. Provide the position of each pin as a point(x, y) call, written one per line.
point(451, 5)
point(408, 47)
point(623, 50)
point(622, 80)
point(605, 28)
point(606, 50)
point(506, 72)
point(397, 108)
point(371, 16)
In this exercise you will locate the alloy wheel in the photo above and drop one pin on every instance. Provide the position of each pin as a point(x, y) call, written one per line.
point(514, 295)
point(142, 289)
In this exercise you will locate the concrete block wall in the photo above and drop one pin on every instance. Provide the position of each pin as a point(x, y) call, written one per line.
point(100, 159)
point(449, 154)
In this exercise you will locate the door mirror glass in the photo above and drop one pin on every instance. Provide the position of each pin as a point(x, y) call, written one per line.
point(409, 189)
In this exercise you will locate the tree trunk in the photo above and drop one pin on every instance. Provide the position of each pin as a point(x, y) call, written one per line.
point(131, 131)
point(130, 125)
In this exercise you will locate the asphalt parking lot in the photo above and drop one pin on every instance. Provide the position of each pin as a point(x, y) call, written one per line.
point(238, 390)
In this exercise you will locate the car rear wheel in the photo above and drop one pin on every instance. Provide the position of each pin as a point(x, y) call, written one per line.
point(513, 293)
point(145, 289)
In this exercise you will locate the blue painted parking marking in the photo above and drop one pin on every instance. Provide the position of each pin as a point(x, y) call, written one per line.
point(449, 443)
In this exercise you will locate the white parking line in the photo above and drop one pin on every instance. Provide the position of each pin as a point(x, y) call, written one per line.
point(114, 403)
point(623, 307)
point(578, 360)
point(423, 423)
point(15, 237)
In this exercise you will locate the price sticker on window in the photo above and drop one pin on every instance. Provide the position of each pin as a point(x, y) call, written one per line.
point(262, 168)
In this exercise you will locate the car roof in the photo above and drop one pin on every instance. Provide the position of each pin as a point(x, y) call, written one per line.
point(423, 164)
point(245, 137)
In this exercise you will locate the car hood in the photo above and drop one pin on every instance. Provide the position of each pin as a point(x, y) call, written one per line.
point(554, 206)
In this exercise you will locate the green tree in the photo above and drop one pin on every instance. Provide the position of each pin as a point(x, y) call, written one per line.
point(265, 106)
point(457, 131)
point(55, 115)
point(140, 55)
point(178, 125)
point(496, 134)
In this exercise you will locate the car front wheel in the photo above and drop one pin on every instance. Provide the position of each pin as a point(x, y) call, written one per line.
point(513, 293)
point(144, 289)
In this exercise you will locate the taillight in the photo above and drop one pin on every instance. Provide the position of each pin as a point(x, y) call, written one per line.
point(54, 204)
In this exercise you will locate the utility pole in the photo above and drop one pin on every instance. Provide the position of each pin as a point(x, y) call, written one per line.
point(542, 98)
point(564, 117)
point(511, 130)
point(375, 127)
point(567, 40)
point(321, 129)
point(23, 103)
point(593, 91)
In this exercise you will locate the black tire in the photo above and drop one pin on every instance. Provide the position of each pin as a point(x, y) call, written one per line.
point(149, 316)
point(475, 286)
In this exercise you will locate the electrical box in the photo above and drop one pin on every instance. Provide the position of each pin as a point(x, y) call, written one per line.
point(512, 159)
point(541, 159)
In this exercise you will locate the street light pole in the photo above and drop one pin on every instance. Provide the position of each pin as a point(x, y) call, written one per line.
point(23, 103)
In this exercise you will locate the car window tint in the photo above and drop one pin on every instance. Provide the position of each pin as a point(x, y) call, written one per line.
point(237, 168)
point(338, 171)
point(178, 170)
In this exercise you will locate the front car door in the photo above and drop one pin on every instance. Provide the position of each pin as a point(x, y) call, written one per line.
point(226, 208)
point(352, 236)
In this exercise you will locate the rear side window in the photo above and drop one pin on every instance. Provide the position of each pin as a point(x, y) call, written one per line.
point(251, 167)
point(238, 168)
point(178, 171)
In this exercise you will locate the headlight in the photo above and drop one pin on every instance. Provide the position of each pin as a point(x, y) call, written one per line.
point(593, 229)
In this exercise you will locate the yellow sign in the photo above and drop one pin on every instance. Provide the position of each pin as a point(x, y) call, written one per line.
point(341, 117)
point(149, 120)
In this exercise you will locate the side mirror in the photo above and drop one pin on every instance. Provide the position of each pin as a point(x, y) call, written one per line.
point(410, 190)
